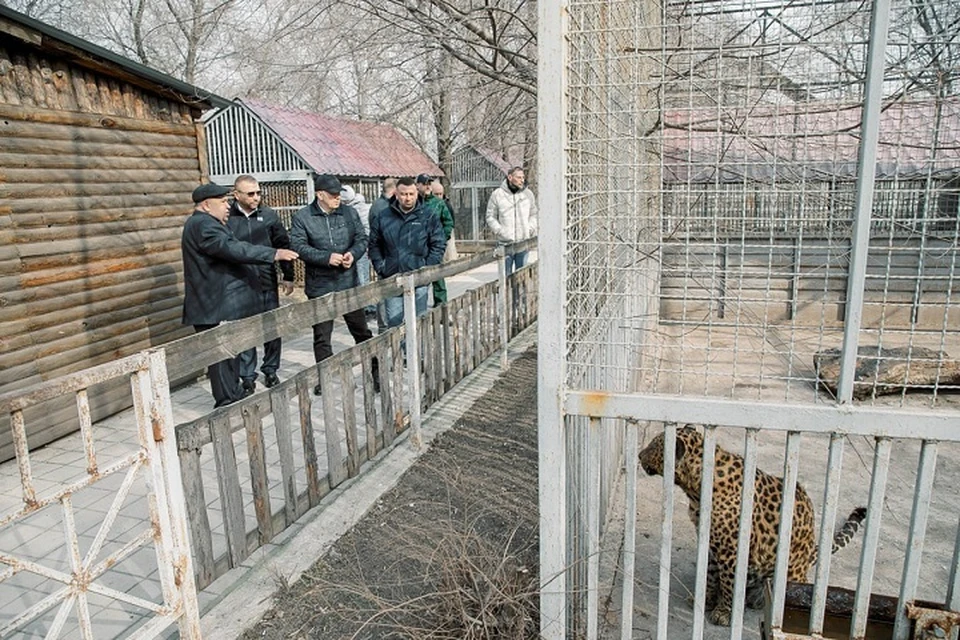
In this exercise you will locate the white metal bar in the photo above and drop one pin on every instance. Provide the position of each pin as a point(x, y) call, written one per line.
point(871, 536)
point(86, 430)
point(918, 529)
point(831, 498)
point(866, 175)
point(791, 469)
point(860, 420)
point(505, 309)
point(594, 442)
point(179, 543)
point(703, 529)
point(118, 499)
point(552, 17)
point(666, 528)
point(60, 619)
point(413, 358)
point(22, 449)
point(629, 529)
point(744, 536)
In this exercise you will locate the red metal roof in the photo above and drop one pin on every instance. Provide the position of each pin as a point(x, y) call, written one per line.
point(808, 140)
point(342, 146)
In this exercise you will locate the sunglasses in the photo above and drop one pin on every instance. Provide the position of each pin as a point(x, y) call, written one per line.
point(250, 194)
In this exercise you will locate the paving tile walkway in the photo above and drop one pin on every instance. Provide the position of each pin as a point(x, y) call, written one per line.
point(40, 537)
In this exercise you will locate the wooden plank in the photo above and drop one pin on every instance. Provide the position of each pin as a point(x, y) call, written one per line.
point(397, 386)
point(387, 383)
point(369, 400)
point(200, 535)
point(96, 163)
point(304, 401)
point(256, 452)
point(449, 340)
point(335, 471)
point(436, 317)
point(475, 329)
point(348, 390)
point(425, 350)
point(96, 134)
point(280, 408)
point(231, 496)
point(31, 146)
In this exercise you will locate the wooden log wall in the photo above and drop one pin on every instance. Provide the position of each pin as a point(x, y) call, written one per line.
point(286, 447)
point(95, 177)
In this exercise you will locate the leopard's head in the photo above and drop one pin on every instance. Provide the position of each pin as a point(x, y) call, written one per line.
point(689, 451)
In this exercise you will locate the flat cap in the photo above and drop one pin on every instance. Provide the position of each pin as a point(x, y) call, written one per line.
point(424, 178)
point(328, 183)
point(205, 191)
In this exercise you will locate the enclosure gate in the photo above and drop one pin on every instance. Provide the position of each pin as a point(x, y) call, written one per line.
point(87, 572)
point(683, 146)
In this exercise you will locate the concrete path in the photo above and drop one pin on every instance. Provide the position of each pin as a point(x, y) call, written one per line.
point(40, 536)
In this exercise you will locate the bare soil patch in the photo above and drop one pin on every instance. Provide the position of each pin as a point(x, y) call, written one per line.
point(450, 552)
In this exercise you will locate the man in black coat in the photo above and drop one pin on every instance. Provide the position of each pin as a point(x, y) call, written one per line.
point(329, 238)
point(253, 222)
point(218, 284)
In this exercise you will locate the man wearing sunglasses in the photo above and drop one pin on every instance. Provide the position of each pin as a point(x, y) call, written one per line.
point(252, 221)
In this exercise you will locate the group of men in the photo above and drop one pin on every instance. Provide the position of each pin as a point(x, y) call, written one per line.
point(232, 251)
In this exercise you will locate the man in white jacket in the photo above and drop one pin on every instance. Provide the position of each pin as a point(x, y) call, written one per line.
point(512, 215)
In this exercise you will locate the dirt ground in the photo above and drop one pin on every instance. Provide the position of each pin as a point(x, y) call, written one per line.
point(450, 552)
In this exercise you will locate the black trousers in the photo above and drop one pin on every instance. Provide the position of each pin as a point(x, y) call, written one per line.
point(356, 324)
point(224, 376)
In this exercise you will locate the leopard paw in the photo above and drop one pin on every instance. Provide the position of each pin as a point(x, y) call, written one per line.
point(721, 617)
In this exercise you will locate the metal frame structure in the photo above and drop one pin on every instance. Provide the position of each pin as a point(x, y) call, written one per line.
point(153, 462)
point(619, 348)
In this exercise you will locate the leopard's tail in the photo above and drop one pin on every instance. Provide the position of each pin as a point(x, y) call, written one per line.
point(849, 529)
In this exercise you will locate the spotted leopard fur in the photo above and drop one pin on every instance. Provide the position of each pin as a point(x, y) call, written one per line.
point(725, 521)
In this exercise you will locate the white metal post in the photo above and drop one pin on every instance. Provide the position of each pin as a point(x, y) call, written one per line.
point(413, 357)
point(551, 136)
point(866, 174)
point(505, 307)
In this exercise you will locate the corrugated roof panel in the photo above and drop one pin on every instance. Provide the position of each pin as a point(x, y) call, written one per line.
point(808, 141)
point(342, 146)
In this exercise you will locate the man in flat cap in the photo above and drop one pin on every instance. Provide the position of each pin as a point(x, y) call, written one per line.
point(217, 282)
point(330, 238)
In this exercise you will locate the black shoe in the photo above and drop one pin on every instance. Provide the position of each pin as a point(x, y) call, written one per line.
point(318, 390)
point(270, 379)
point(249, 386)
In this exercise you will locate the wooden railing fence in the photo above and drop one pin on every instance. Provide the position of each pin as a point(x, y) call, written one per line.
point(276, 454)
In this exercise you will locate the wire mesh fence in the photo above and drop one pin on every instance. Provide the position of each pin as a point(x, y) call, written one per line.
point(712, 158)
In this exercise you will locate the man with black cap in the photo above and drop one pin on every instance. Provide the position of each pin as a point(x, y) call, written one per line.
point(438, 207)
point(329, 237)
point(217, 282)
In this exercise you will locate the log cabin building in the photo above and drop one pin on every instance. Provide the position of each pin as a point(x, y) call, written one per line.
point(98, 156)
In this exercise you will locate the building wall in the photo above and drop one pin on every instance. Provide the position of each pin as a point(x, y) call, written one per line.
point(96, 177)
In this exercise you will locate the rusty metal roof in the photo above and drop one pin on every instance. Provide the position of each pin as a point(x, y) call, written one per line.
point(342, 146)
point(812, 141)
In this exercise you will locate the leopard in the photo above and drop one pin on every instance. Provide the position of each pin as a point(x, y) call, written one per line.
point(725, 521)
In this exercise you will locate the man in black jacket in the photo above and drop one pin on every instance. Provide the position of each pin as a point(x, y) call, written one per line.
point(218, 284)
point(405, 237)
point(253, 222)
point(329, 238)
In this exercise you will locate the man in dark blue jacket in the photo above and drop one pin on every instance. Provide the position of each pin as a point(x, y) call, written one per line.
point(253, 222)
point(405, 237)
point(218, 283)
point(329, 238)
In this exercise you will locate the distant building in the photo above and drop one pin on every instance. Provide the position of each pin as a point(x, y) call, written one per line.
point(474, 174)
point(284, 148)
